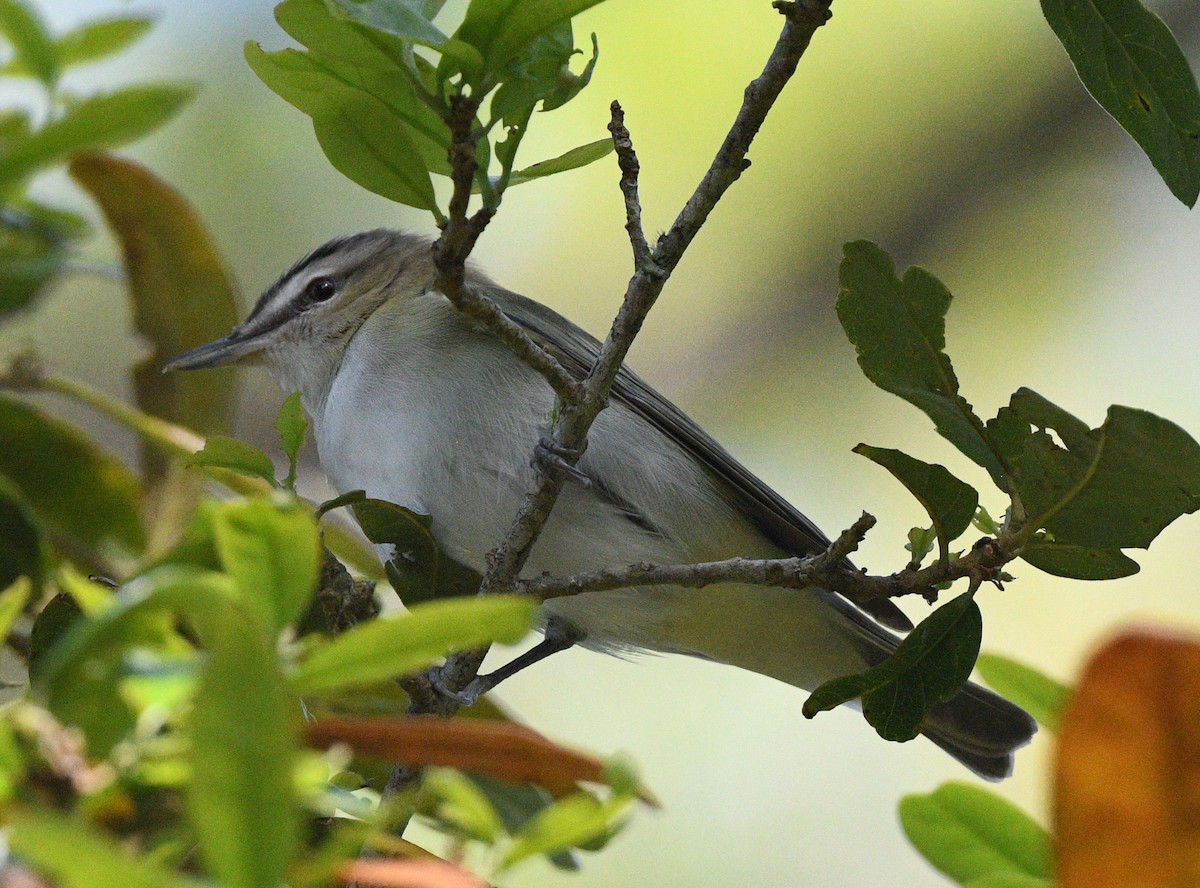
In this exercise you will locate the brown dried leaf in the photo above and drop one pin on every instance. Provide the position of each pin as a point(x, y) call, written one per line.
point(1127, 804)
point(408, 874)
point(504, 750)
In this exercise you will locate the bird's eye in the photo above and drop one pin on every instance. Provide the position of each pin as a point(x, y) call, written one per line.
point(320, 289)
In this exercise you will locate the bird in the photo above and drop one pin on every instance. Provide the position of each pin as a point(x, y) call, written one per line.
point(415, 403)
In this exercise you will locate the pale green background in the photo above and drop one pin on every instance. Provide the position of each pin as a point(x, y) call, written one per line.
point(1074, 272)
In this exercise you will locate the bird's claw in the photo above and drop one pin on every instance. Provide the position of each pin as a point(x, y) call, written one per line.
point(550, 456)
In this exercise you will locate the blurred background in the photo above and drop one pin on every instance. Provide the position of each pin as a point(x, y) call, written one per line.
point(955, 136)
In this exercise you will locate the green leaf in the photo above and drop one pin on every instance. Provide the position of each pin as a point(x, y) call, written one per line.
point(1114, 487)
point(97, 40)
point(501, 30)
point(417, 568)
point(1134, 68)
point(12, 604)
point(463, 805)
point(272, 549)
point(951, 503)
point(1038, 694)
point(921, 541)
point(31, 257)
point(968, 833)
point(574, 821)
point(292, 425)
point(1079, 562)
point(898, 329)
point(367, 143)
point(235, 455)
point(517, 804)
point(31, 42)
point(406, 19)
point(95, 122)
point(51, 624)
point(75, 855)
point(572, 160)
point(400, 645)
point(541, 74)
point(243, 749)
point(65, 482)
point(20, 543)
point(930, 666)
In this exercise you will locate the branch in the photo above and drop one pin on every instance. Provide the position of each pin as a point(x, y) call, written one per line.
point(825, 571)
point(574, 419)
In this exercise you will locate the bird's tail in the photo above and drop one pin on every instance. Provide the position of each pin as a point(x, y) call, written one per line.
point(980, 729)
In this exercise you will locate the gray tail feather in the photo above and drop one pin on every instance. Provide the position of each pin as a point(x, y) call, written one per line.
point(980, 729)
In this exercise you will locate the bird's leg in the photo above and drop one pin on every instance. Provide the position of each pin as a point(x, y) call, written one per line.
point(549, 456)
point(559, 636)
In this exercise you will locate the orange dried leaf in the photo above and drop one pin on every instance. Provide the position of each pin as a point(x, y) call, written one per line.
point(504, 750)
point(408, 874)
point(1127, 800)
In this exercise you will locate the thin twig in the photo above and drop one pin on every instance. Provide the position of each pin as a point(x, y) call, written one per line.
point(627, 161)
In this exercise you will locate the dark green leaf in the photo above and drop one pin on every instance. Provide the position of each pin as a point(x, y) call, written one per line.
point(1109, 488)
point(968, 833)
point(66, 482)
point(60, 614)
point(97, 40)
point(898, 329)
point(572, 160)
point(517, 804)
point(1134, 68)
point(75, 855)
point(31, 42)
point(235, 455)
point(930, 666)
point(501, 30)
point(96, 122)
point(20, 543)
point(273, 551)
point(243, 743)
point(30, 258)
point(406, 19)
point(292, 425)
point(951, 503)
point(1079, 562)
point(402, 644)
point(1038, 694)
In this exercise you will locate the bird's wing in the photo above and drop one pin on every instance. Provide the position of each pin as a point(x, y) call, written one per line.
point(777, 519)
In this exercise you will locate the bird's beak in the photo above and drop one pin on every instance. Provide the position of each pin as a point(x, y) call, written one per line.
point(228, 350)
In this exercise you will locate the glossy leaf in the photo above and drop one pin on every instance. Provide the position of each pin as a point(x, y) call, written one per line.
point(402, 644)
point(65, 481)
point(238, 456)
point(1134, 68)
point(930, 666)
point(571, 160)
point(1038, 694)
point(1079, 562)
point(75, 855)
point(897, 327)
point(951, 503)
point(31, 42)
point(273, 551)
point(968, 832)
point(292, 425)
point(499, 749)
point(182, 292)
point(416, 568)
point(95, 122)
point(243, 747)
point(1127, 781)
point(97, 40)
